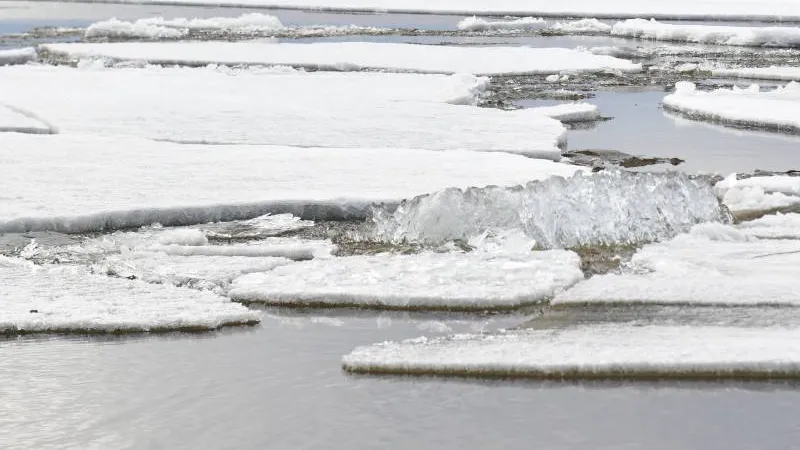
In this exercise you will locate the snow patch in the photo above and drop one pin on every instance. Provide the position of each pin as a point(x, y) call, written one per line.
point(756, 194)
point(160, 28)
point(780, 73)
point(709, 34)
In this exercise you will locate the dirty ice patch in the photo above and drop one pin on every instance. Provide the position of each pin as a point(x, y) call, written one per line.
point(17, 56)
point(161, 28)
point(709, 34)
point(571, 112)
point(583, 26)
point(75, 184)
point(751, 107)
point(452, 281)
point(714, 264)
point(592, 352)
point(320, 109)
point(40, 299)
point(776, 10)
point(605, 208)
point(349, 56)
point(779, 73)
point(759, 194)
point(14, 120)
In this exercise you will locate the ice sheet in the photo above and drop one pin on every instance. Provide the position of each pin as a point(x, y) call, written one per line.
point(780, 73)
point(84, 183)
point(713, 264)
point(348, 56)
point(761, 193)
point(17, 56)
point(597, 351)
point(12, 120)
point(676, 9)
point(709, 34)
point(160, 28)
point(279, 107)
point(776, 110)
point(458, 281)
point(778, 226)
point(70, 299)
point(590, 26)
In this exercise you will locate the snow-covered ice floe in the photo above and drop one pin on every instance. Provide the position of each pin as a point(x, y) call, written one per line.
point(583, 26)
point(70, 299)
point(751, 107)
point(74, 183)
point(349, 56)
point(676, 9)
point(571, 112)
point(14, 120)
point(593, 352)
point(779, 73)
point(714, 264)
point(280, 107)
point(760, 194)
point(606, 208)
point(161, 28)
point(17, 56)
point(453, 281)
point(709, 34)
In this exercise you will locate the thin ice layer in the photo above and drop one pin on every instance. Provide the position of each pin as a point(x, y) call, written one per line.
point(776, 110)
point(714, 264)
point(571, 112)
point(676, 9)
point(780, 73)
point(457, 281)
point(606, 208)
point(709, 34)
point(367, 110)
point(758, 194)
point(596, 351)
point(348, 56)
point(85, 183)
point(12, 120)
point(40, 299)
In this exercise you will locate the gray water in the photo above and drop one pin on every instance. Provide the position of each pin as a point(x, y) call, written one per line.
point(279, 386)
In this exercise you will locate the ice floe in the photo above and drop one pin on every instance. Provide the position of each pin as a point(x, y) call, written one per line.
point(161, 28)
point(13, 120)
point(70, 299)
point(714, 264)
point(780, 73)
point(778, 226)
point(582, 26)
point(676, 9)
point(611, 207)
point(280, 107)
point(709, 34)
point(571, 112)
point(349, 56)
point(758, 194)
point(17, 56)
point(457, 281)
point(78, 183)
point(593, 352)
point(749, 107)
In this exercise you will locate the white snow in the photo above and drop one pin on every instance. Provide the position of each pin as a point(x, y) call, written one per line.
point(12, 120)
point(279, 107)
point(780, 73)
point(294, 249)
point(675, 9)
point(161, 28)
point(582, 26)
point(610, 207)
point(742, 107)
point(778, 226)
point(571, 112)
point(713, 264)
point(593, 351)
point(70, 299)
point(348, 56)
point(81, 183)
point(459, 281)
point(17, 56)
point(709, 34)
point(760, 193)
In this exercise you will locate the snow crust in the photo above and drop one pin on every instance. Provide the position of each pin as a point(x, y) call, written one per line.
point(761, 193)
point(12, 120)
point(70, 299)
point(713, 264)
point(454, 280)
point(603, 208)
point(349, 56)
point(780, 73)
point(17, 56)
point(677, 9)
point(749, 107)
point(595, 351)
point(73, 183)
point(161, 28)
point(279, 107)
point(709, 34)
point(571, 112)
point(587, 26)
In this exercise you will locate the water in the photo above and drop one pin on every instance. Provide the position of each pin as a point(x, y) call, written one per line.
point(280, 386)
